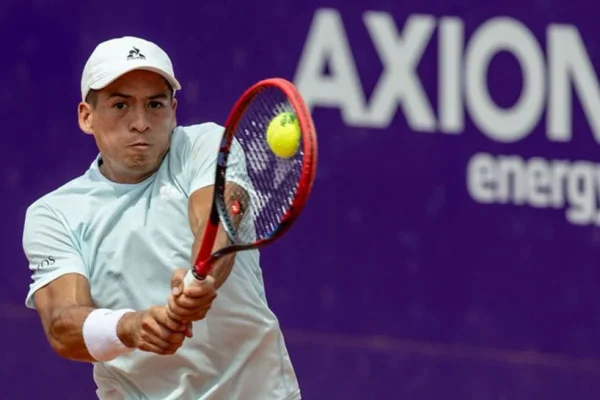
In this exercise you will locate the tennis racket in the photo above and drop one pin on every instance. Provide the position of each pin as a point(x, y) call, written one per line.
point(258, 191)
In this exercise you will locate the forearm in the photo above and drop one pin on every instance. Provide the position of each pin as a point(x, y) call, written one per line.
point(222, 267)
point(66, 332)
point(199, 211)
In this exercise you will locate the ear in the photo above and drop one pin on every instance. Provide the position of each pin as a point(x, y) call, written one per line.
point(85, 117)
point(174, 107)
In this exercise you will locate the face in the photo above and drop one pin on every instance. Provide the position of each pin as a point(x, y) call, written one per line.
point(131, 122)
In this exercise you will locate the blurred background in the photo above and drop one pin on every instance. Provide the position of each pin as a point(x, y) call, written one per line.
point(449, 249)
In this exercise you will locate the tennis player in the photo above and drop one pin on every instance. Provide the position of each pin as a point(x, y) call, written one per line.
point(109, 249)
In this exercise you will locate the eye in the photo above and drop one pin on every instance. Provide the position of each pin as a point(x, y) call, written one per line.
point(156, 104)
point(120, 105)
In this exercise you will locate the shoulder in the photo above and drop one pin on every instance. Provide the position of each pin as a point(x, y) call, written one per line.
point(196, 143)
point(58, 202)
point(191, 134)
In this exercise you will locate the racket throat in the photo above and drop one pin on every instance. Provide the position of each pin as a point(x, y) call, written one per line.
point(201, 269)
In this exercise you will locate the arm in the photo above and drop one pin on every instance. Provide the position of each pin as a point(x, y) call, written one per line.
point(63, 305)
point(198, 151)
point(60, 293)
point(199, 210)
point(73, 325)
point(193, 302)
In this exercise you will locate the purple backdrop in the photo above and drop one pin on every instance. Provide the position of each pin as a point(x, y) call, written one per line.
point(449, 248)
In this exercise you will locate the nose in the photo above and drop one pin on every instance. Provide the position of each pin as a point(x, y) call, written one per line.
point(139, 121)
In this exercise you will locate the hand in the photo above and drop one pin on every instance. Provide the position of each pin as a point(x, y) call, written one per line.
point(152, 330)
point(190, 303)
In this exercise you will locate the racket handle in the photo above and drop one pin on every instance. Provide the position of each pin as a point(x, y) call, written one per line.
point(189, 278)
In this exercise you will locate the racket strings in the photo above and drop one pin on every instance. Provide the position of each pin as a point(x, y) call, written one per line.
point(271, 182)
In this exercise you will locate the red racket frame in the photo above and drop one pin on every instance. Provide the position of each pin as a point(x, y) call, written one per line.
point(206, 258)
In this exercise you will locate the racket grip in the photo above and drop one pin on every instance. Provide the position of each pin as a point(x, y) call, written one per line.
point(189, 278)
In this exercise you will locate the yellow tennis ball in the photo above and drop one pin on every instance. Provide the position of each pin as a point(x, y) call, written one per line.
point(283, 135)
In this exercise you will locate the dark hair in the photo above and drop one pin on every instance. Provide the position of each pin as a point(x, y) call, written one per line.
point(92, 96)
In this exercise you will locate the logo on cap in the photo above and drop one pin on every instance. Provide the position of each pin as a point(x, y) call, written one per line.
point(135, 54)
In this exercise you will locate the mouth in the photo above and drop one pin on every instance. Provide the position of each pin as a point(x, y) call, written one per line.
point(140, 145)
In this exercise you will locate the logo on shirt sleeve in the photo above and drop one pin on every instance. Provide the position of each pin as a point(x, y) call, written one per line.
point(48, 261)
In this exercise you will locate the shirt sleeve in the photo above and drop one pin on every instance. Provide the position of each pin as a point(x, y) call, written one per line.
point(50, 248)
point(202, 159)
point(201, 156)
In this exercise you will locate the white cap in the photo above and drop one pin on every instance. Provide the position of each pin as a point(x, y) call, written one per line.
point(115, 57)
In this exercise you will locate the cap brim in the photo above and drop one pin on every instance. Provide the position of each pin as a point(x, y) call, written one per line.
point(111, 77)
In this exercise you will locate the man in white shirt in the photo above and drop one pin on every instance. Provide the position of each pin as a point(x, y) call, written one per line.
point(108, 251)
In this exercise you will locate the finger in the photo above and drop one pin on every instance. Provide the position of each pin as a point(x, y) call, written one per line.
point(199, 291)
point(195, 314)
point(177, 281)
point(156, 329)
point(185, 328)
point(187, 316)
point(189, 303)
point(171, 337)
point(171, 315)
point(154, 336)
point(173, 322)
point(200, 288)
point(168, 320)
point(158, 345)
point(176, 312)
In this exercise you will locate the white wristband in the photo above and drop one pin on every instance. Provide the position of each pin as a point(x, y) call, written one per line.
point(100, 334)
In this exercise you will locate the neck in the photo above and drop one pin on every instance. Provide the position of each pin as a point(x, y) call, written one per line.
point(124, 177)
